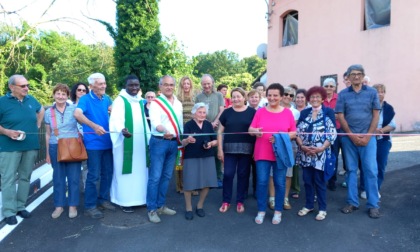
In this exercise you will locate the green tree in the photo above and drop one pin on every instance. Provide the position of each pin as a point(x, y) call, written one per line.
point(255, 65)
point(137, 40)
point(242, 80)
point(218, 64)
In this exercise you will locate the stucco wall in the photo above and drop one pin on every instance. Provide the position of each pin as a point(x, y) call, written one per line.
point(331, 37)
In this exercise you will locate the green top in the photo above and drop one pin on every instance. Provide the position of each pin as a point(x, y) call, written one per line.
point(17, 115)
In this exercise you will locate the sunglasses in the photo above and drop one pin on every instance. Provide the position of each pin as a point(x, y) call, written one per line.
point(290, 95)
point(23, 86)
point(81, 90)
point(329, 86)
point(149, 97)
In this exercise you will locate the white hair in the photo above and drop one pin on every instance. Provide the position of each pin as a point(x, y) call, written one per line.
point(198, 106)
point(328, 81)
point(91, 79)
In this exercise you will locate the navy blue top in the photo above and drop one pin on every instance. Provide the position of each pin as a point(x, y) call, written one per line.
point(96, 110)
point(358, 107)
point(196, 150)
point(234, 121)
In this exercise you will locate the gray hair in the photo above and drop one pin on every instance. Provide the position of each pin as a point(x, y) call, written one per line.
point(356, 67)
point(328, 81)
point(207, 75)
point(12, 79)
point(93, 77)
point(166, 76)
point(198, 106)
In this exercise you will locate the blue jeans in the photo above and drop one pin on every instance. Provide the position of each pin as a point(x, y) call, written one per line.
point(367, 155)
point(279, 178)
point(61, 171)
point(163, 156)
point(100, 165)
point(315, 182)
point(236, 163)
point(383, 148)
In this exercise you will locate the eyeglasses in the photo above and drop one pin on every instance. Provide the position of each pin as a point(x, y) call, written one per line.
point(356, 74)
point(23, 86)
point(290, 95)
point(329, 86)
point(81, 90)
point(150, 97)
point(168, 85)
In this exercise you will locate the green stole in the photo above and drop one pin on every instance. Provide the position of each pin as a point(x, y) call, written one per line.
point(129, 142)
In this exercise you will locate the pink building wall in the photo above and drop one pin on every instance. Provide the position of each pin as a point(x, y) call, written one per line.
point(331, 38)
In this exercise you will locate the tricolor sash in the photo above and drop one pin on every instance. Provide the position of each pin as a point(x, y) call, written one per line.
point(167, 108)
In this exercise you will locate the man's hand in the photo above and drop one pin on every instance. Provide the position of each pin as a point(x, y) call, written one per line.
point(99, 130)
point(13, 134)
point(126, 133)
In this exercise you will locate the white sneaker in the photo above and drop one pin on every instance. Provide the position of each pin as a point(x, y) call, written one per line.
point(153, 217)
point(363, 195)
point(166, 210)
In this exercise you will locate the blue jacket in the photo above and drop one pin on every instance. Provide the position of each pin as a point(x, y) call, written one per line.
point(283, 151)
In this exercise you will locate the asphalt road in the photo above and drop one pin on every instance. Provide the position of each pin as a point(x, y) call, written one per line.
point(398, 229)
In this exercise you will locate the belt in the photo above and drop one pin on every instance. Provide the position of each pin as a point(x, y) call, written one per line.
point(161, 137)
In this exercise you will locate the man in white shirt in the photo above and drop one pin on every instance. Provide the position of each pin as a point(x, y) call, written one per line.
point(166, 128)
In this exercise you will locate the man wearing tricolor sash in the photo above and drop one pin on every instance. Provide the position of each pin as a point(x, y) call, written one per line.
point(166, 129)
point(130, 136)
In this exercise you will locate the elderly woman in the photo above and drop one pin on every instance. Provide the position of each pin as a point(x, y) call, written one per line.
point(78, 90)
point(199, 163)
point(235, 150)
point(60, 118)
point(386, 125)
point(254, 98)
point(267, 120)
point(316, 133)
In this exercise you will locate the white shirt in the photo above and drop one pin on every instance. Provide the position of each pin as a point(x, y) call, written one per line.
point(159, 117)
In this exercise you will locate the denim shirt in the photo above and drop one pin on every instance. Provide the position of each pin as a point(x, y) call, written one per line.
point(66, 123)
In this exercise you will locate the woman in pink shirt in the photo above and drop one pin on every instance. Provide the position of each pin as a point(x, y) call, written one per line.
point(269, 120)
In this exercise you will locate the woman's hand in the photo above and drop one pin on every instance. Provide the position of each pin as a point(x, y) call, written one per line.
point(48, 159)
point(221, 155)
point(272, 139)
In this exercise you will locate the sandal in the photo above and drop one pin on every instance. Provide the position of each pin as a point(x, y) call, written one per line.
point(260, 218)
point(240, 208)
point(374, 213)
point(304, 211)
point(225, 206)
point(321, 215)
point(349, 209)
point(276, 218)
point(295, 195)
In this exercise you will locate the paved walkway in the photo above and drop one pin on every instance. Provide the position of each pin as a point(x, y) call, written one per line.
point(397, 230)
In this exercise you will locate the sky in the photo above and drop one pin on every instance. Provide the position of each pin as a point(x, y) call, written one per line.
point(202, 26)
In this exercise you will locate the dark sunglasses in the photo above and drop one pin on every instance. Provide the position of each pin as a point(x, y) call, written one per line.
point(329, 86)
point(24, 86)
point(290, 95)
point(81, 90)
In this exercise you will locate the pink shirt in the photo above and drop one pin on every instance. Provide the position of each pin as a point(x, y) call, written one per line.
point(331, 104)
point(270, 122)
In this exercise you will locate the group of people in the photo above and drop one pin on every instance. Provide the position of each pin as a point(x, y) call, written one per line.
point(134, 145)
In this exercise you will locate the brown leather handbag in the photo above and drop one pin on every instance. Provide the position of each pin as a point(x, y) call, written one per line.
point(69, 149)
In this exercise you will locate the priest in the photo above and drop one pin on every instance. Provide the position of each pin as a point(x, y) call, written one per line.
point(130, 137)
